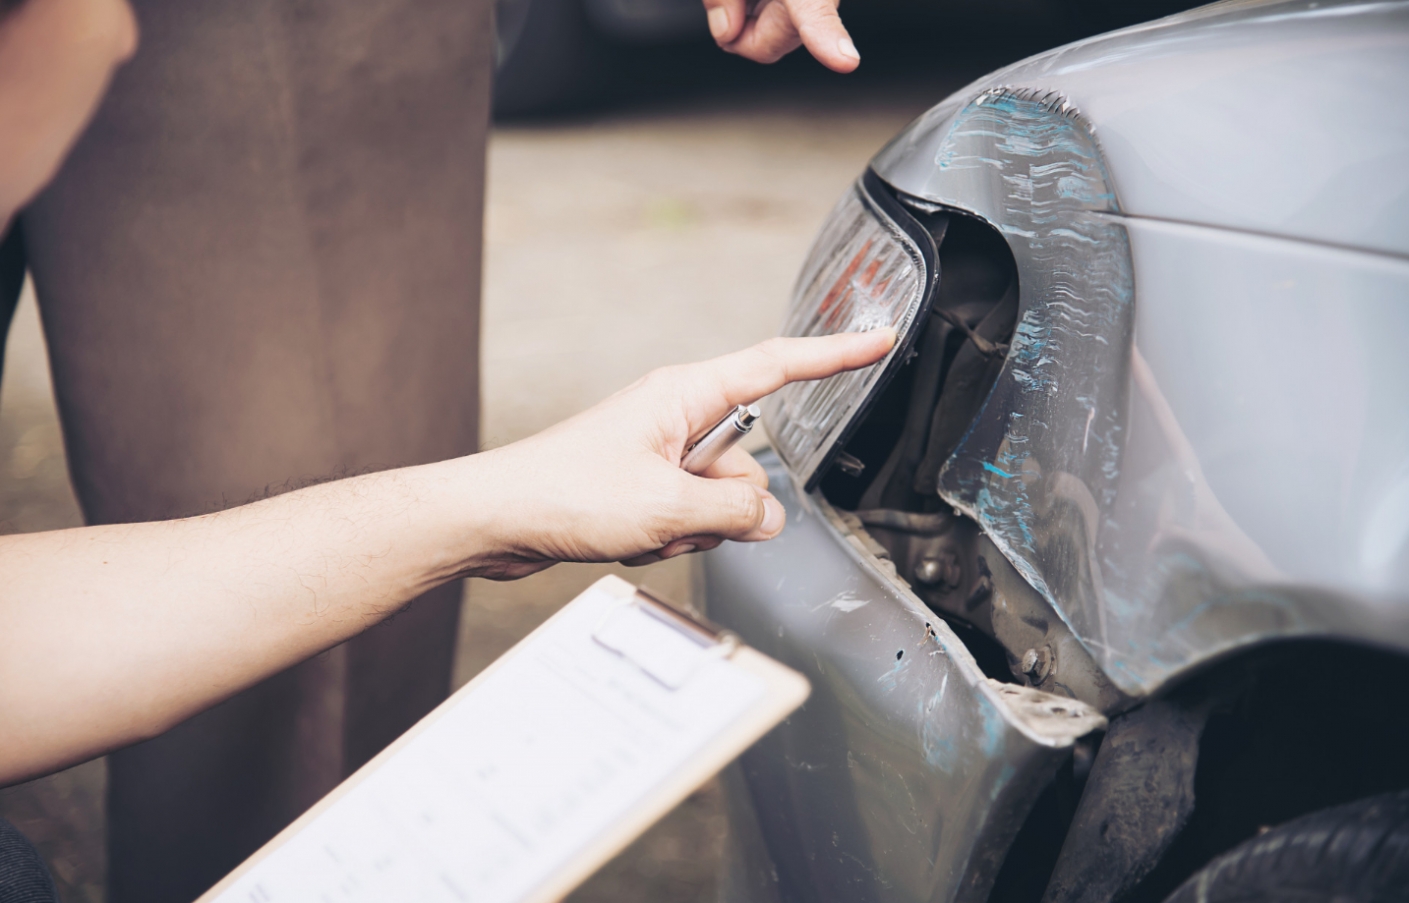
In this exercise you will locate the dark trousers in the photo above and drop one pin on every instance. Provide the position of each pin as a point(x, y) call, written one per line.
point(23, 877)
point(260, 266)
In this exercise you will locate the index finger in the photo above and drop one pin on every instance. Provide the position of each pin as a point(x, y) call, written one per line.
point(746, 376)
point(823, 34)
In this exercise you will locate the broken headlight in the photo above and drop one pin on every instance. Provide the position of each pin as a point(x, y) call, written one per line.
point(872, 266)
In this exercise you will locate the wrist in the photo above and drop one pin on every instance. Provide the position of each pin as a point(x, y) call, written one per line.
point(481, 508)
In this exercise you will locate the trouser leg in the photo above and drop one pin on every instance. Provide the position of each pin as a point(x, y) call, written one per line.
point(11, 280)
point(23, 875)
point(260, 266)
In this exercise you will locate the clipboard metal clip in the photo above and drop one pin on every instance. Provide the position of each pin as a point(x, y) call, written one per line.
point(665, 642)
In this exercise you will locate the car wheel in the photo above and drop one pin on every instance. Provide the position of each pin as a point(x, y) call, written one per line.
point(1356, 853)
point(548, 56)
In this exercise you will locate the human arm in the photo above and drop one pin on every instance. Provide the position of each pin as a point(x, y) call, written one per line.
point(776, 28)
point(112, 634)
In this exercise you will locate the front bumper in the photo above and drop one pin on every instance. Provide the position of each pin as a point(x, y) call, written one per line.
point(907, 773)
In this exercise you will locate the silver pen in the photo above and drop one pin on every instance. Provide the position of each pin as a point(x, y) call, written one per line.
point(721, 437)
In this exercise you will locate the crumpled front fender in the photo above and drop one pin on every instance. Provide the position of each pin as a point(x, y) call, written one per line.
point(907, 773)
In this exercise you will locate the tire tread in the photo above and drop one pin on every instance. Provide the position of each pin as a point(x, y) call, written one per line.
point(1355, 853)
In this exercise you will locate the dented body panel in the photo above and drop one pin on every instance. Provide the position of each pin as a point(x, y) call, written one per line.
point(1198, 442)
point(906, 774)
point(1277, 118)
point(1263, 492)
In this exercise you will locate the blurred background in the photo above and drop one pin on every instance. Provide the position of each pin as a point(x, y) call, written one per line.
point(650, 200)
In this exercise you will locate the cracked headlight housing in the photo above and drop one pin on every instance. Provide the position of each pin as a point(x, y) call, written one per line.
point(872, 265)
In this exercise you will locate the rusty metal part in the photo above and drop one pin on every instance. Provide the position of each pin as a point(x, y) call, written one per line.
point(1037, 664)
point(1058, 718)
point(907, 521)
point(940, 570)
point(1137, 799)
point(960, 573)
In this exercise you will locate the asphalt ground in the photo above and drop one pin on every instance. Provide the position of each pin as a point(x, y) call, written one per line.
point(663, 223)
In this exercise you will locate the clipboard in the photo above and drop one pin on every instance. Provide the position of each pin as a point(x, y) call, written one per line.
point(533, 775)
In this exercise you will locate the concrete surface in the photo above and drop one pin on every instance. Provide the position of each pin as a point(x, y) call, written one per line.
point(668, 230)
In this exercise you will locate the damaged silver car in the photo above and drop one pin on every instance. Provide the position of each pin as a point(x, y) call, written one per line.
point(1101, 579)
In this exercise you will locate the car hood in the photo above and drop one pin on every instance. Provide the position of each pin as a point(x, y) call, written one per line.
point(1276, 118)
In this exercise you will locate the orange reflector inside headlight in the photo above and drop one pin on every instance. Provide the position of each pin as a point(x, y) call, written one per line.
point(871, 266)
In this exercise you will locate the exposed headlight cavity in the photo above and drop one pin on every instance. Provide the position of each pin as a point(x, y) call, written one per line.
point(872, 266)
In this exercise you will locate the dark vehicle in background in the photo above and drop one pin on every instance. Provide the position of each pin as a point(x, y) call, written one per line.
point(1101, 579)
point(553, 54)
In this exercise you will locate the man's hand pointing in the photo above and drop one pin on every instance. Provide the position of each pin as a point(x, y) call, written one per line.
point(767, 30)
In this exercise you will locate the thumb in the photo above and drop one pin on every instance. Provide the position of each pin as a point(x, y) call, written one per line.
point(732, 509)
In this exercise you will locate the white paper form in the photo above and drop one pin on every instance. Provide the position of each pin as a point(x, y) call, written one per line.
point(516, 777)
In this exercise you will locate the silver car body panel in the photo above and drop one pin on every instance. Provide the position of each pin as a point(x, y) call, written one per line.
point(906, 774)
point(1239, 472)
point(1199, 441)
point(1271, 117)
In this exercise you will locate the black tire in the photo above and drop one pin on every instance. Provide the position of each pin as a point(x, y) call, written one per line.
point(552, 58)
point(1356, 853)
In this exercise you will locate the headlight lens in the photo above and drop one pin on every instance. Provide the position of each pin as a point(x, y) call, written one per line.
point(870, 267)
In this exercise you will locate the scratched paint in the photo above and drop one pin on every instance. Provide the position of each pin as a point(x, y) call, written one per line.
point(1151, 568)
point(994, 729)
point(890, 783)
point(1042, 469)
point(1005, 775)
point(1040, 466)
point(936, 737)
point(845, 603)
point(891, 678)
point(1060, 376)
